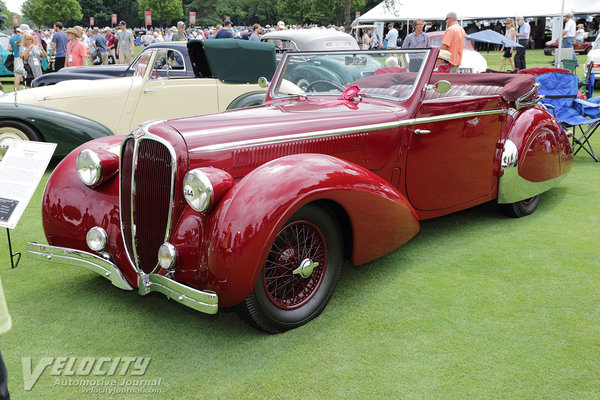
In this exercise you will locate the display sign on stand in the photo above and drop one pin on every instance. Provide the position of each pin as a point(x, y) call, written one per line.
point(21, 168)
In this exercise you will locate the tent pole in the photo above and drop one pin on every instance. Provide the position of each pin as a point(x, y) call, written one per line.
point(557, 60)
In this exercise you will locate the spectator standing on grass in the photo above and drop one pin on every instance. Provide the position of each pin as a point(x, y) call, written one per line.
point(453, 40)
point(416, 40)
point(579, 35)
point(180, 35)
point(125, 46)
point(392, 37)
point(255, 37)
point(32, 56)
point(101, 45)
point(523, 33)
point(110, 43)
point(225, 33)
point(76, 53)
point(59, 46)
point(14, 45)
point(569, 34)
point(511, 33)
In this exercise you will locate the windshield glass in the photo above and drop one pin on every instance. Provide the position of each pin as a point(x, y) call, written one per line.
point(387, 74)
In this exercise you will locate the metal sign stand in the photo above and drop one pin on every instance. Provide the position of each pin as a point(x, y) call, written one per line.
point(13, 264)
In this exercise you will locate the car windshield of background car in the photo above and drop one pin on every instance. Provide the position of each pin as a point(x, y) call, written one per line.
point(329, 74)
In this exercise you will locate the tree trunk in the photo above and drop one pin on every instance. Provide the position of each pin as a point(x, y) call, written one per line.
point(347, 15)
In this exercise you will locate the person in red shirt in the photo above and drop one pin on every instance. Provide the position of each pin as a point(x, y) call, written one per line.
point(453, 40)
point(76, 52)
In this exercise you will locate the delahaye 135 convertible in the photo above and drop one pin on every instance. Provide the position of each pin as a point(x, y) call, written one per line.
point(257, 208)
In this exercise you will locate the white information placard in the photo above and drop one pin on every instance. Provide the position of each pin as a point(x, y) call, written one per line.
point(21, 170)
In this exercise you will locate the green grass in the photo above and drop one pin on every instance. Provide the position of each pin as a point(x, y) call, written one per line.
point(476, 306)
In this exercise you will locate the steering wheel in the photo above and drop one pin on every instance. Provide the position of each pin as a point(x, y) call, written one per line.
point(310, 87)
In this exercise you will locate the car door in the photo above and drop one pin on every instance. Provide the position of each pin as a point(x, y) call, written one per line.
point(452, 151)
point(164, 96)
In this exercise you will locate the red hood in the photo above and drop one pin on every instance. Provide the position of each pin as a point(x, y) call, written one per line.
point(282, 121)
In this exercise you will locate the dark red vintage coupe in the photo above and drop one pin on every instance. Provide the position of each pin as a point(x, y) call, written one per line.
point(257, 208)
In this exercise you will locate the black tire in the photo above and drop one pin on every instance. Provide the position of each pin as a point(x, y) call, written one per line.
point(310, 234)
point(549, 51)
point(17, 130)
point(521, 208)
point(587, 50)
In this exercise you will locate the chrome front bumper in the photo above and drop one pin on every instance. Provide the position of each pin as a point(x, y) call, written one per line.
point(203, 301)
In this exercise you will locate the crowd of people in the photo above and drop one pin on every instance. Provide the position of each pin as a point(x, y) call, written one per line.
point(36, 51)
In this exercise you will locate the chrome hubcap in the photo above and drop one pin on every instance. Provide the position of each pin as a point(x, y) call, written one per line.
point(306, 268)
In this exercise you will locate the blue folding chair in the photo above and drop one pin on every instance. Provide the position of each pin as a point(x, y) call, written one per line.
point(560, 95)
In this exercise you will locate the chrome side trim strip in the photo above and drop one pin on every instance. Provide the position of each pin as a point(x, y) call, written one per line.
point(336, 132)
point(203, 301)
point(78, 258)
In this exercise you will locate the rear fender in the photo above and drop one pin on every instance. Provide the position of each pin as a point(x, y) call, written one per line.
point(536, 156)
point(251, 214)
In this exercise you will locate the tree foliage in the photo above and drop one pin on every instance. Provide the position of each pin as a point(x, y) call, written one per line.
point(46, 12)
point(163, 11)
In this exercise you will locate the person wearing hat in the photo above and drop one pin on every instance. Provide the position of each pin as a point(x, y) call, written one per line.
point(59, 46)
point(76, 52)
point(443, 63)
point(579, 34)
point(280, 26)
point(225, 33)
point(453, 40)
point(125, 45)
point(180, 35)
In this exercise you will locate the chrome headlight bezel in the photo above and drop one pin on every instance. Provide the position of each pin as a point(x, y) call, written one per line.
point(89, 167)
point(198, 191)
point(96, 239)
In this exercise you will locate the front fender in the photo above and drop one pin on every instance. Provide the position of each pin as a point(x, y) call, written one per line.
point(542, 156)
point(66, 129)
point(249, 217)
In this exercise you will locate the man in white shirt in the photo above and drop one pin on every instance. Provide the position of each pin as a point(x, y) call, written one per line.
point(569, 34)
point(392, 37)
point(523, 32)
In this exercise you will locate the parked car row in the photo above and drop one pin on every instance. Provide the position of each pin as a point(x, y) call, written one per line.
point(165, 81)
point(255, 209)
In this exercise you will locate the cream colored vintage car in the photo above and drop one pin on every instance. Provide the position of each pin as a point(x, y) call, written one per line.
point(225, 76)
point(593, 57)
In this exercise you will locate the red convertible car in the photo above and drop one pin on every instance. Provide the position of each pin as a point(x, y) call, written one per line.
point(257, 208)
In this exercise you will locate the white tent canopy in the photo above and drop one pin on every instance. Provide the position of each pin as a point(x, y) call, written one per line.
point(402, 10)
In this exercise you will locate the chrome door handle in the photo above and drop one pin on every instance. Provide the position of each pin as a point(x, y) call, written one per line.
point(422, 131)
point(148, 90)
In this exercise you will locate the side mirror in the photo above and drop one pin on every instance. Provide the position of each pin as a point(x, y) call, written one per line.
point(263, 82)
point(442, 86)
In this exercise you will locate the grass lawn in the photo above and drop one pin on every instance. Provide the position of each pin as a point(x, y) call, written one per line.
point(476, 306)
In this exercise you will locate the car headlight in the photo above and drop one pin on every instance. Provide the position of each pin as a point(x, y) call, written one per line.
point(96, 238)
point(204, 187)
point(197, 190)
point(89, 167)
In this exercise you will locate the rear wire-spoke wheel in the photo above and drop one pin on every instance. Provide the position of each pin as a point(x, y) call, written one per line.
point(521, 208)
point(299, 275)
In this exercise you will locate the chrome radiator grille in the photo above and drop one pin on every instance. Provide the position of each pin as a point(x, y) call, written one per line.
point(146, 198)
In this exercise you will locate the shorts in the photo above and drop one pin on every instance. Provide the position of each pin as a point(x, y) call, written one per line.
point(18, 69)
point(507, 52)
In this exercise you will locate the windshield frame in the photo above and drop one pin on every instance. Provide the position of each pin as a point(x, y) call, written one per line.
point(274, 93)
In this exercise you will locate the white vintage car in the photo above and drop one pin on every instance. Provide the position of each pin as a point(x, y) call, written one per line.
point(154, 91)
point(593, 57)
point(310, 40)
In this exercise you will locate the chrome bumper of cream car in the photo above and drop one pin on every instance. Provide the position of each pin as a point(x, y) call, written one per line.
point(203, 301)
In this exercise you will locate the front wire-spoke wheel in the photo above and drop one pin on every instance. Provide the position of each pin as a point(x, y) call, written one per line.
point(299, 275)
